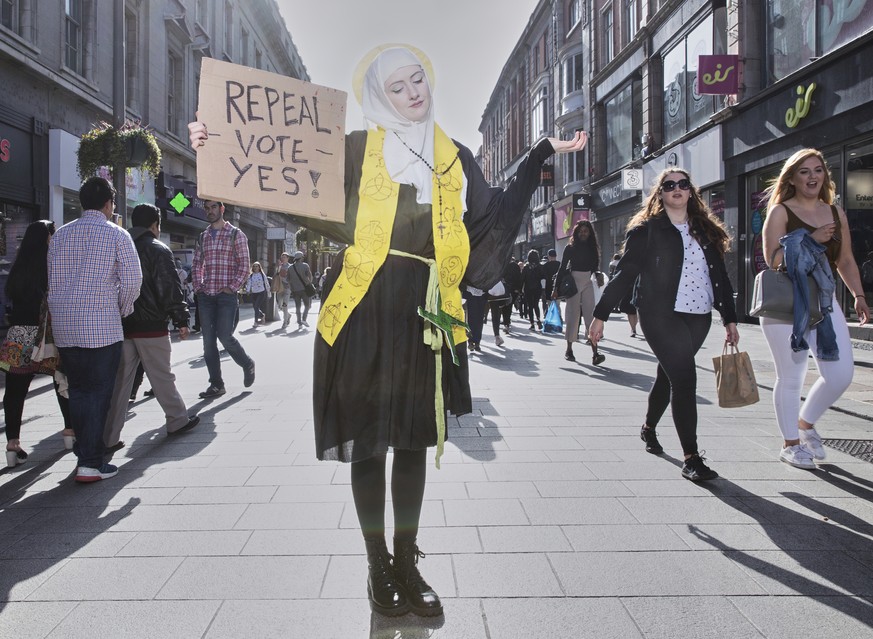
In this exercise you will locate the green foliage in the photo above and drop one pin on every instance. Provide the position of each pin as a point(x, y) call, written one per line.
point(131, 146)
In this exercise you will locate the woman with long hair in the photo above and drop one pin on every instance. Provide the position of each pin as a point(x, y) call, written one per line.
point(802, 197)
point(532, 288)
point(676, 247)
point(26, 289)
point(257, 287)
point(581, 258)
point(390, 352)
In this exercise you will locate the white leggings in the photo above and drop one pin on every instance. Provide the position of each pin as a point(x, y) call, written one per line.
point(791, 368)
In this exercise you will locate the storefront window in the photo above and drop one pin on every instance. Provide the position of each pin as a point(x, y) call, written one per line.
point(685, 108)
point(858, 204)
point(841, 21)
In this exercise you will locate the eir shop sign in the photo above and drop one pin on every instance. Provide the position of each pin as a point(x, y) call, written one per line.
point(718, 74)
point(275, 142)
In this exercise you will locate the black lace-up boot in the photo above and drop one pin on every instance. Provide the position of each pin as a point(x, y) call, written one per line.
point(423, 601)
point(652, 445)
point(386, 596)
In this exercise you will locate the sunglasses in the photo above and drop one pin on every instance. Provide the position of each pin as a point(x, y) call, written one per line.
point(669, 185)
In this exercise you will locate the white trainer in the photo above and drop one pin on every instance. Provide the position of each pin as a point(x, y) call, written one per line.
point(798, 456)
point(498, 341)
point(812, 440)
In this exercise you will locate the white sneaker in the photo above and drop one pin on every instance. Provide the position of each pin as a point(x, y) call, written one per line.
point(812, 440)
point(797, 456)
point(498, 340)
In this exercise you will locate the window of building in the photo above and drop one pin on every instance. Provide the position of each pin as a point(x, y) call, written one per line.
point(228, 29)
point(9, 16)
point(174, 91)
point(540, 114)
point(608, 35)
point(631, 19)
point(798, 30)
point(573, 74)
point(73, 40)
point(259, 59)
point(684, 108)
point(244, 46)
point(131, 59)
point(574, 166)
point(574, 13)
point(201, 9)
point(623, 121)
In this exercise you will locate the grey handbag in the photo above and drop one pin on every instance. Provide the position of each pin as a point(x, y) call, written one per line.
point(773, 296)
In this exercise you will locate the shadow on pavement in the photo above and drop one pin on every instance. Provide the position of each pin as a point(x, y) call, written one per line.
point(43, 529)
point(409, 626)
point(809, 542)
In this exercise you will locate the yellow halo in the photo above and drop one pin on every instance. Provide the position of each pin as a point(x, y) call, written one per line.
point(367, 60)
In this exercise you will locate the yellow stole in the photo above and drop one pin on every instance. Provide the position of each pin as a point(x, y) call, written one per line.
point(377, 209)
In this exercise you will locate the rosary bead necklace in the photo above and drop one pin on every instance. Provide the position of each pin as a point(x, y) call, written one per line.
point(441, 226)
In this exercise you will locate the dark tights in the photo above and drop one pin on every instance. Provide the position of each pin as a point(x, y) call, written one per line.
point(13, 403)
point(675, 341)
point(532, 306)
point(408, 474)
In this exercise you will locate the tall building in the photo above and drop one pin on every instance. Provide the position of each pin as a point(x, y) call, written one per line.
point(640, 76)
point(56, 82)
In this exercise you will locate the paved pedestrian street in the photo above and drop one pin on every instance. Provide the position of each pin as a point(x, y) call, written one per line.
point(547, 519)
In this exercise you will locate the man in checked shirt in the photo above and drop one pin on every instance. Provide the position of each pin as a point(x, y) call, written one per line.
point(220, 268)
point(94, 279)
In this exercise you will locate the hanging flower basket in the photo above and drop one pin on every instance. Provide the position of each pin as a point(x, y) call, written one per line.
point(131, 146)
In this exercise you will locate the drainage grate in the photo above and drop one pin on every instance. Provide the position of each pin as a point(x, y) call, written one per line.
point(860, 448)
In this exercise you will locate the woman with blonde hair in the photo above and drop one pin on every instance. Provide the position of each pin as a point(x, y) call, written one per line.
point(676, 247)
point(398, 324)
point(801, 201)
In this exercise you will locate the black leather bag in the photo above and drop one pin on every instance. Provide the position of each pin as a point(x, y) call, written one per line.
point(567, 287)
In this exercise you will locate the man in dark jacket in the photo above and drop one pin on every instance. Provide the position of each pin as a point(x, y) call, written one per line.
point(146, 338)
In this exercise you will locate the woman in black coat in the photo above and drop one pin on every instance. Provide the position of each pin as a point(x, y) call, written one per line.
point(676, 247)
point(532, 288)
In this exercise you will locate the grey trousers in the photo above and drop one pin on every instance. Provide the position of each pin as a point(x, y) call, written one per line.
point(154, 353)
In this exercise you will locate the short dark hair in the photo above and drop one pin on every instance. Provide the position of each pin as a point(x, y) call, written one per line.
point(145, 215)
point(552, 253)
point(95, 192)
point(219, 202)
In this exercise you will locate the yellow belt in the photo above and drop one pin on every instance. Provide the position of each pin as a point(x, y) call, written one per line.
point(438, 328)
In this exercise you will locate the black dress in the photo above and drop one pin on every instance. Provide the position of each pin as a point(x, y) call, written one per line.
point(374, 388)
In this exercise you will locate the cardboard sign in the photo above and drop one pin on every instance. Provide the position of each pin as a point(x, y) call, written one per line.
point(275, 142)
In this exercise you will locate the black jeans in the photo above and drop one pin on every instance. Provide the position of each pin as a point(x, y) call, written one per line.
point(13, 403)
point(675, 340)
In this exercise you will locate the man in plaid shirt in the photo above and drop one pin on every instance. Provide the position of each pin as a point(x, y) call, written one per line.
point(221, 266)
point(94, 279)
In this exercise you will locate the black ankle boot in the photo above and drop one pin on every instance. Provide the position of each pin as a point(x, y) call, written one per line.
point(386, 596)
point(652, 445)
point(423, 601)
point(569, 354)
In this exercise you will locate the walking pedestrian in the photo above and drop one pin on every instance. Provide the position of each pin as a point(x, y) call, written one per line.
point(475, 313)
point(676, 247)
point(146, 338)
point(550, 269)
point(581, 258)
point(437, 213)
point(282, 287)
point(26, 289)
point(221, 265)
point(532, 288)
point(256, 287)
point(511, 278)
point(94, 279)
point(801, 205)
point(300, 277)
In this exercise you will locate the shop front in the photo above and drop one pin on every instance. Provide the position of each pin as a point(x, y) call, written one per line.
point(23, 177)
point(613, 208)
point(827, 108)
point(568, 212)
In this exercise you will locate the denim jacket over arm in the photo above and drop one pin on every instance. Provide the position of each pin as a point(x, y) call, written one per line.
point(804, 256)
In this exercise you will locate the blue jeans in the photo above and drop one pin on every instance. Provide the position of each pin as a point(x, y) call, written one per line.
point(217, 313)
point(91, 375)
